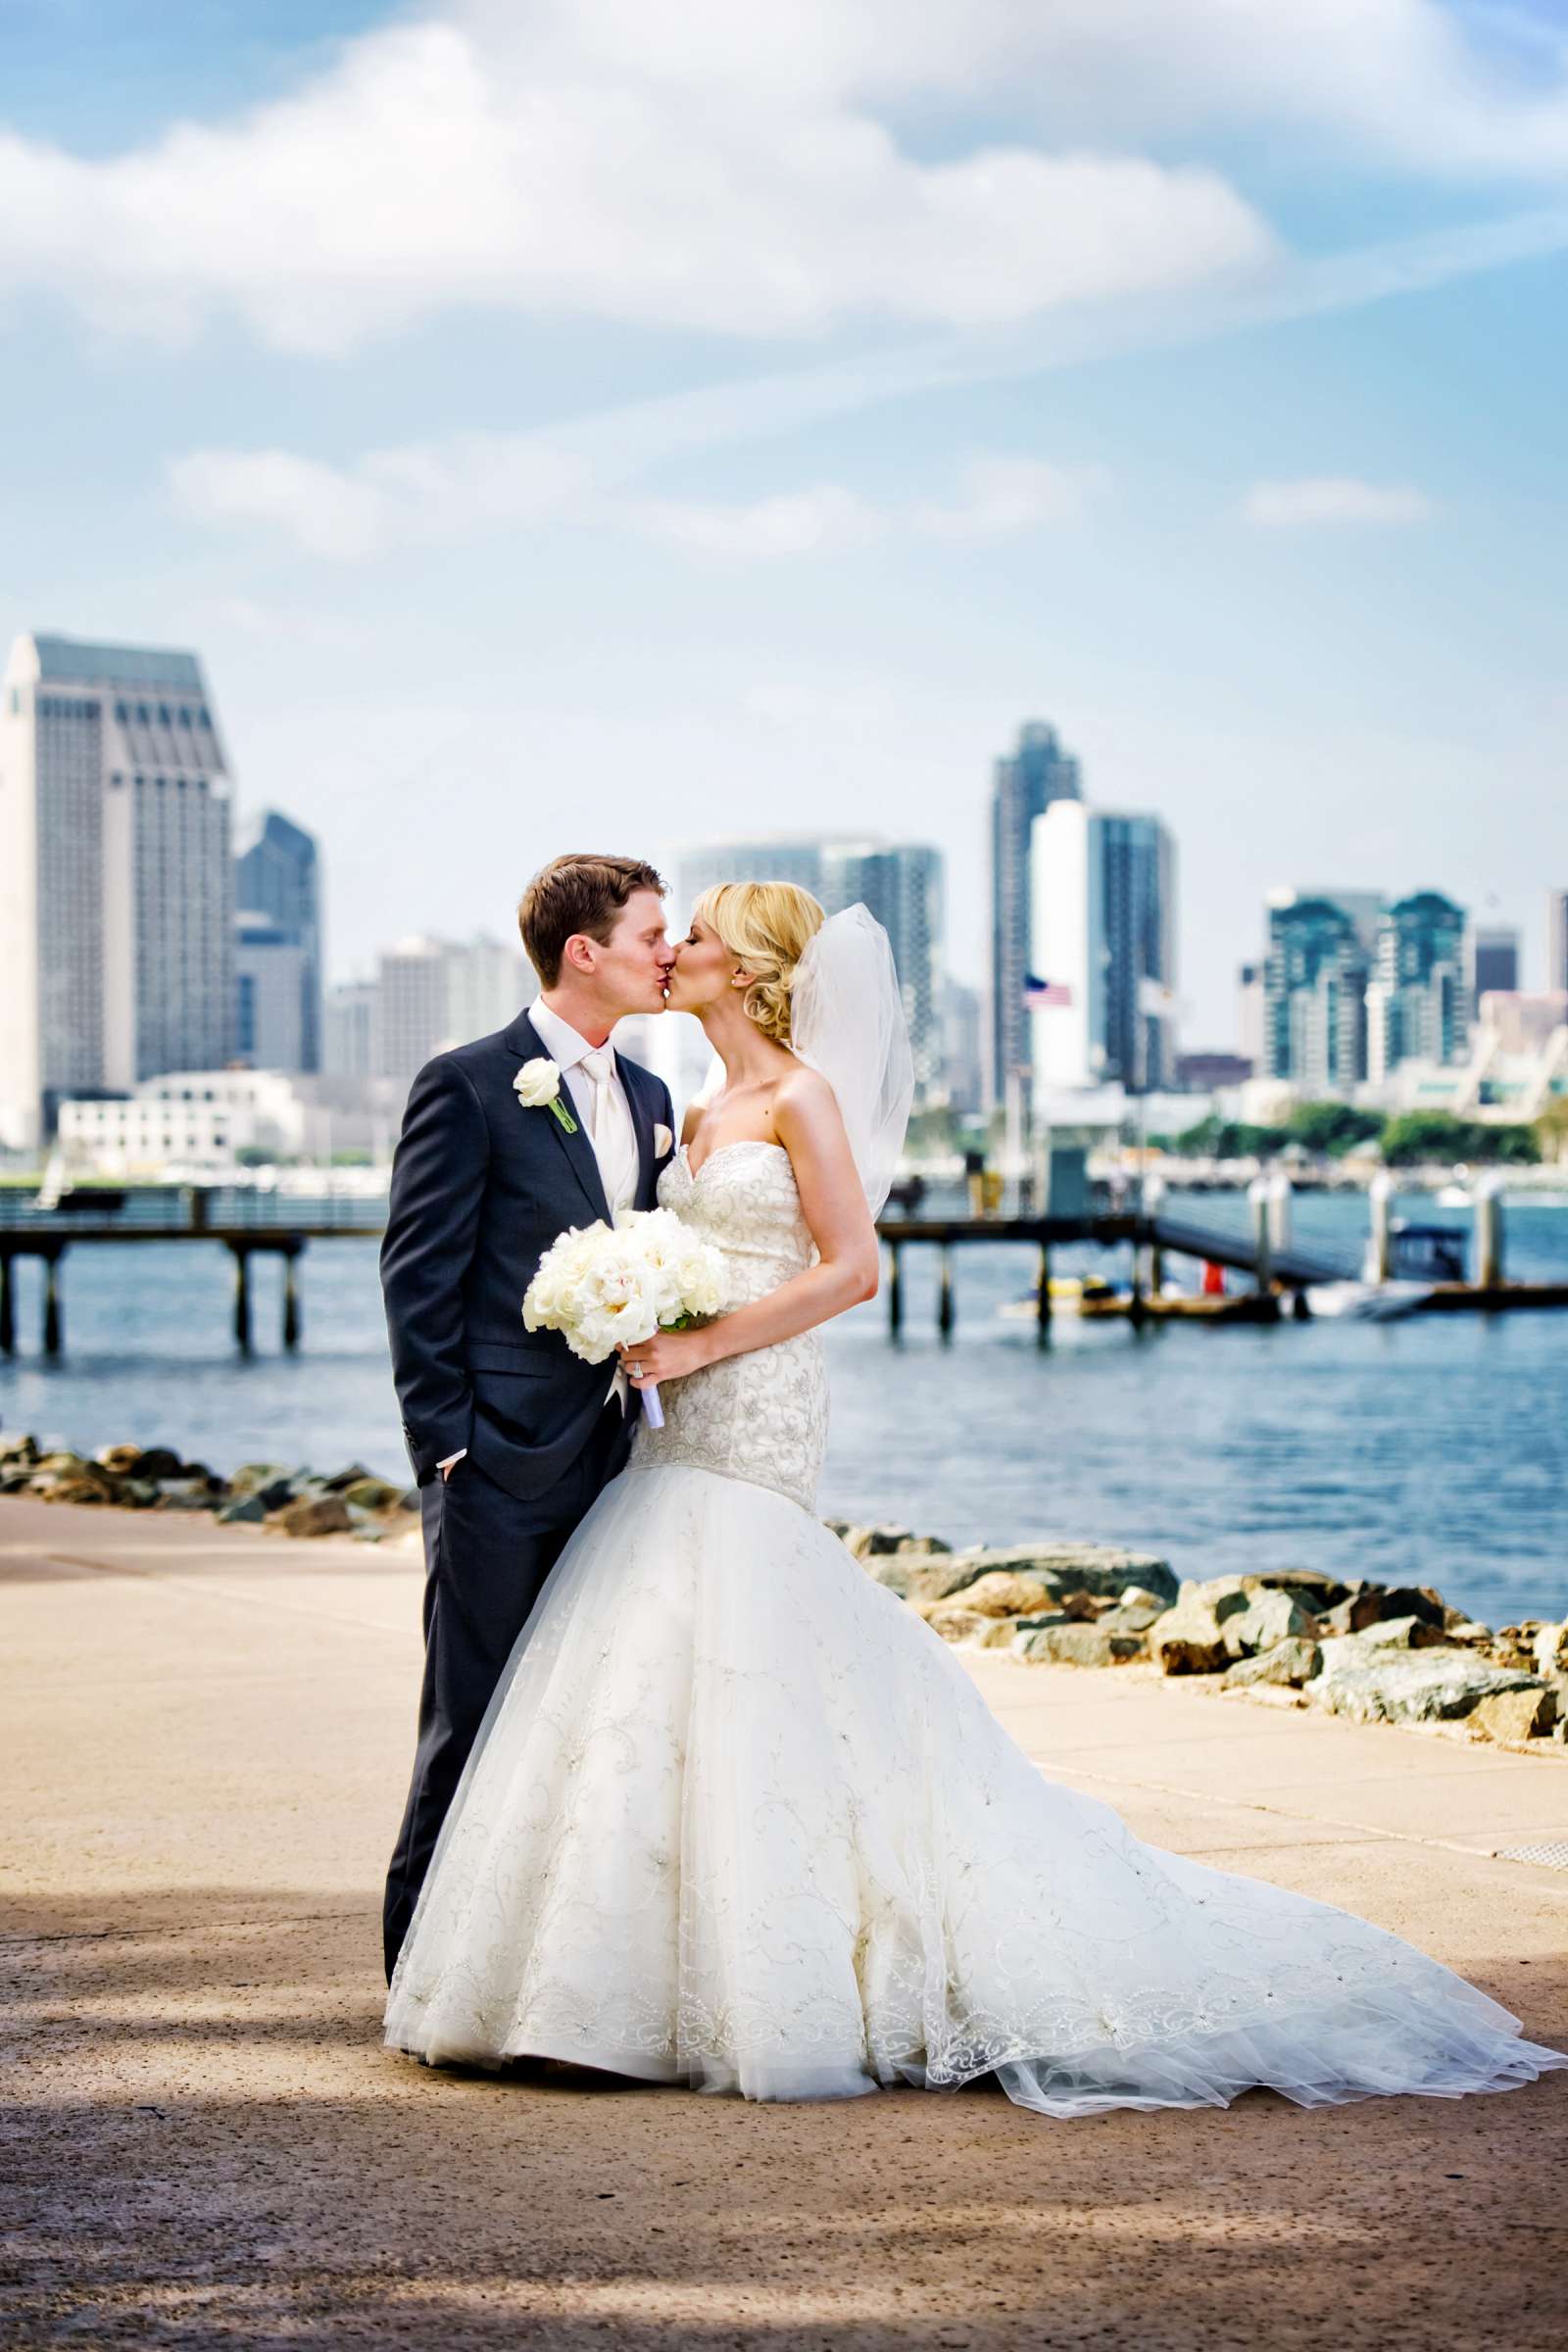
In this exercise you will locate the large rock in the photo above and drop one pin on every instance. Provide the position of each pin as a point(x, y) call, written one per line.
point(882, 1542)
point(121, 1462)
point(244, 1508)
point(954, 1623)
point(1403, 1633)
point(1077, 1646)
point(1129, 1617)
point(917, 1580)
point(253, 1478)
point(1291, 1663)
point(159, 1462)
point(1551, 1649)
point(1269, 1616)
point(372, 1495)
point(1002, 1594)
point(1100, 1569)
point(1373, 1684)
point(1190, 1638)
point(1514, 1714)
point(1376, 1604)
point(15, 1448)
point(315, 1515)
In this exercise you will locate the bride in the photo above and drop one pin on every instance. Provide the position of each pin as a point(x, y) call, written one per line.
point(738, 1819)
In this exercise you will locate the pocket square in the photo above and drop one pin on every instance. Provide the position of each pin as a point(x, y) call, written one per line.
point(663, 1141)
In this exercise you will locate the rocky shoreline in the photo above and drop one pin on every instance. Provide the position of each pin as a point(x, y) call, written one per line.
point(1295, 1637)
point(297, 1502)
point(1348, 1645)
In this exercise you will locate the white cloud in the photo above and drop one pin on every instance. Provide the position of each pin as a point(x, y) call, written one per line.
point(417, 494)
point(517, 159)
point(1333, 498)
point(438, 493)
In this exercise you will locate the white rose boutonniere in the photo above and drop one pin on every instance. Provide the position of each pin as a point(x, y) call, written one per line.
point(537, 1086)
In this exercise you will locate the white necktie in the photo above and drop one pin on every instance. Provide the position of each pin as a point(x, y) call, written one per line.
point(614, 1142)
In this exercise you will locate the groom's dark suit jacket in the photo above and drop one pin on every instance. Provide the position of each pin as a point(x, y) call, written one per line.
point(480, 1188)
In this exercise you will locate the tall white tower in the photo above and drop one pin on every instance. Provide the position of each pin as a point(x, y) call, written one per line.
point(1104, 928)
point(115, 878)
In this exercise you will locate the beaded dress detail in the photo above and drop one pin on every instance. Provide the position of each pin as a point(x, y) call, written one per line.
point(739, 1819)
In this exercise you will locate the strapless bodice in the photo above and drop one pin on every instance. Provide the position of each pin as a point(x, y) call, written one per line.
point(760, 1416)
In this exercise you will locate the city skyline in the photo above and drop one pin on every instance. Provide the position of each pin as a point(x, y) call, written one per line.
point(1143, 372)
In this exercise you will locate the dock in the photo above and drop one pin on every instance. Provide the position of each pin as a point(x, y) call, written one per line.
point(249, 1221)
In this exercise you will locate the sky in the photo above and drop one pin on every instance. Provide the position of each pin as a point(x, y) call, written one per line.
point(616, 423)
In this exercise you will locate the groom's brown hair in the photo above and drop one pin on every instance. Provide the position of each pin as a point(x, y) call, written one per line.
point(574, 894)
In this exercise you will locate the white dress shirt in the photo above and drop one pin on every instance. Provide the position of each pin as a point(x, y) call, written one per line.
point(596, 1094)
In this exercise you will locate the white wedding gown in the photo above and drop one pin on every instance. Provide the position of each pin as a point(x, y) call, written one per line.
point(738, 1819)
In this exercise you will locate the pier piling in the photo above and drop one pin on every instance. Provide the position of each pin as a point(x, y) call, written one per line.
point(1486, 1273)
point(895, 1289)
point(945, 1302)
point(242, 1299)
point(53, 1319)
point(1380, 1195)
point(1258, 1199)
point(8, 1308)
point(1043, 1296)
point(291, 1298)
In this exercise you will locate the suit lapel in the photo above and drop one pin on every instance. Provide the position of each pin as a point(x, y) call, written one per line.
point(642, 1119)
point(526, 1042)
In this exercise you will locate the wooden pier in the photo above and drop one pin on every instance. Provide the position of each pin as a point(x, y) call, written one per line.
point(250, 1222)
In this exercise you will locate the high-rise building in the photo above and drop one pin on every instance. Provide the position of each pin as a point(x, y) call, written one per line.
point(1314, 992)
point(1252, 1014)
point(277, 886)
point(271, 983)
point(964, 1076)
point(1557, 938)
point(1494, 961)
point(1026, 782)
point(1104, 937)
point(1418, 1003)
point(902, 885)
point(115, 880)
point(348, 1031)
point(900, 882)
point(435, 993)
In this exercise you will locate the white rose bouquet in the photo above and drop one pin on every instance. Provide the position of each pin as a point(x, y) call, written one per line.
point(603, 1286)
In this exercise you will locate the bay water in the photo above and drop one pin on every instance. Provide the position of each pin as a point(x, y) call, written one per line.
point(1430, 1451)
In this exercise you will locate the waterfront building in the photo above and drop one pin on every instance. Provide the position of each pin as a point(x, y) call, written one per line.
point(115, 877)
point(1418, 1002)
point(435, 993)
point(1026, 782)
point(1494, 961)
point(212, 1123)
point(277, 910)
point(1201, 1073)
point(900, 882)
point(1102, 927)
point(1252, 1014)
point(348, 1029)
point(1315, 979)
point(273, 981)
point(1557, 939)
point(1522, 1023)
point(963, 1077)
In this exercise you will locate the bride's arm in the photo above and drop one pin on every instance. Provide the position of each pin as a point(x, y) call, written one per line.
point(806, 1118)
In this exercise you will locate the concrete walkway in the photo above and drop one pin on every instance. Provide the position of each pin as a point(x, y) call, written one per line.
point(207, 1734)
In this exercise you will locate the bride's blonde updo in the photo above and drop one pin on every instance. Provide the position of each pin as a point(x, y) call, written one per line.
point(765, 926)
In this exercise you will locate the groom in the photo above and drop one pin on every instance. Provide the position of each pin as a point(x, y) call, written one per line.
point(512, 1436)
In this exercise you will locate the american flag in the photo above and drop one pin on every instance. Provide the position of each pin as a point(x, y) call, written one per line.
point(1038, 993)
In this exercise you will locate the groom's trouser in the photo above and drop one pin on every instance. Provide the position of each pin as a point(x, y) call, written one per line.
point(486, 1556)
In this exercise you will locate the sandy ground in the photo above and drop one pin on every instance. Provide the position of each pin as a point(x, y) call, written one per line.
point(206, 1736)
